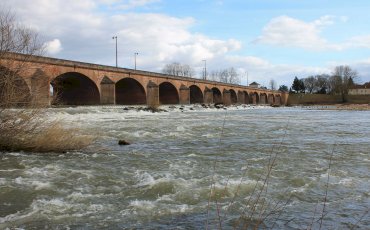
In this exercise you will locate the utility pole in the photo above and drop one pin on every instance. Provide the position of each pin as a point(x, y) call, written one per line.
point(135, 58)
point(205, 70)
point(247, 79)
point(115, 37)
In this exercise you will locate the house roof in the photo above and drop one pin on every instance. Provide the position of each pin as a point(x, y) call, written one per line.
point(364, 86)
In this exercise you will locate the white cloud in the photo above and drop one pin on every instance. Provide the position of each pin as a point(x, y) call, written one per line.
point(53, 47)
point(248, 61)
point(290, 32)
point(163, 39)
point(220, 2)
point(136, 3)
point(359, 42)
point(344, 18)
point(86, 33)
point(125, 4)
point(262, 71)
point(323, 21)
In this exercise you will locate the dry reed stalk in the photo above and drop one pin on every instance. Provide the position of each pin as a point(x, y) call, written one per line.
point(263, 214)
point(326, 188)
point(56, 138)
point(313, 217)
point(29, 130)
point(360, 219)
point(258, 201)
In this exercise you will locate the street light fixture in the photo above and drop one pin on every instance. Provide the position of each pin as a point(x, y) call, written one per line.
point(135, 58)
point(115, 37)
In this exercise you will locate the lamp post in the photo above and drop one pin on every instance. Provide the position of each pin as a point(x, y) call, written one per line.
point(205, 70)
point(135, 58)
point(115, 37)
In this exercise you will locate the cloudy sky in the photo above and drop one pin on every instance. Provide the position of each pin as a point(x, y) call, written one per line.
point(263, 39)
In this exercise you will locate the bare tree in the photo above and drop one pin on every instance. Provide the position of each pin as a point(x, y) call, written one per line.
point(321, 83)
point(15, 39)
point(309, 83)
point(26, 127)
point(226, 75)
point(214, 75)
point(177, 69)
point(343, 77)
point(272, 84)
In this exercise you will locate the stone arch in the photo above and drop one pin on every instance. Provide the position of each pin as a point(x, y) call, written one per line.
point(129, 92)
point(73, 88)
point(14, 90)
point(263, 98)
point(168, 94)
point(271, 99)
point(196, 95)
point(254, 98)
point(217, 95)
point(233, 96)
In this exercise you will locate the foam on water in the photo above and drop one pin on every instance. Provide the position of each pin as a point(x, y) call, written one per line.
point(144, 179)
point(9, 170)
point(3, 181)
point(16, 217)
point(156, 207)
point(41, 185)
point(143, 205)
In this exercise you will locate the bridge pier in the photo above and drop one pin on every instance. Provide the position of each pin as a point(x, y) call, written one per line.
point(254, 99)
point(227, 97)
point(40, 88)
point(270, 99)
point(278, 100)
point(108, 92)
point(184, 95)
point(152, 95)
point(263, 99)
point(241, 97)
point(208, 96)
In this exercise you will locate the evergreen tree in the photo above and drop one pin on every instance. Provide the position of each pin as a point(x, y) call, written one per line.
point(283, 88)
point(296, 86)
point(302, 87)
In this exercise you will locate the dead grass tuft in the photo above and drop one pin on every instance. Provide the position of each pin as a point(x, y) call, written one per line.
point(29, 130)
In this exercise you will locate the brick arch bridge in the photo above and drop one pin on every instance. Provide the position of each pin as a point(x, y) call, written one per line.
point(78, 83)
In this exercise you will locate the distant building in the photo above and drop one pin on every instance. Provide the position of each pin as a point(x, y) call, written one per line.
point(360, 89)
point(254, 85)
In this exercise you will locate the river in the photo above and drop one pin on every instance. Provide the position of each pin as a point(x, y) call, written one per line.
point(164, 178)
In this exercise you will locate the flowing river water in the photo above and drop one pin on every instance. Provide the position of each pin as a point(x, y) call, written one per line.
point(164, 178)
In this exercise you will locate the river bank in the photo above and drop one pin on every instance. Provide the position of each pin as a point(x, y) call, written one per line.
point(350, 107)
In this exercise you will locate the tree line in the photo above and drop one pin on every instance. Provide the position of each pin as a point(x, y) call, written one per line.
point(339, 82)
point(228, 75)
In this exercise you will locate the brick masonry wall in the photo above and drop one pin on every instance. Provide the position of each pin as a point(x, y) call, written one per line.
point(295, 99)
